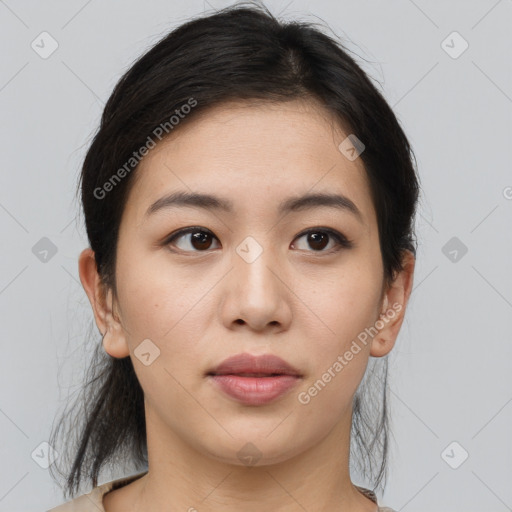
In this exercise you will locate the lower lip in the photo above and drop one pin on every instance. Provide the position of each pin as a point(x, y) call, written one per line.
point(255, 390)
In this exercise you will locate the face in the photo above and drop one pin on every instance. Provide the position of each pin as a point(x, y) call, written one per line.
point(196, 285)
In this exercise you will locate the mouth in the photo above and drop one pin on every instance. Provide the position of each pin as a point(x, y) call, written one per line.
point(266, 365)
point(246, 374)
point(254, 380)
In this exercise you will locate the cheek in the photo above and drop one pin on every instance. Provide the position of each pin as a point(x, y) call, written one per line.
point(164, 308)
point(168, 308)
point(153, 300)
point(341, 305)
point(337, 357)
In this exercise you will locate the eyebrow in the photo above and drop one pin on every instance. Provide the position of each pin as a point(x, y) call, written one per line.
point(293, 204)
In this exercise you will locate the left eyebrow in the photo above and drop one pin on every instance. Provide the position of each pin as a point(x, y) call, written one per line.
point(293, 204)
point(307, 201)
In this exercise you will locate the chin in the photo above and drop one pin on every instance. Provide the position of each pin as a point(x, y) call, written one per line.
point(255, 448)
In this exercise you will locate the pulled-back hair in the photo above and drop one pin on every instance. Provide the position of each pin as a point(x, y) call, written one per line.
point(241, 52)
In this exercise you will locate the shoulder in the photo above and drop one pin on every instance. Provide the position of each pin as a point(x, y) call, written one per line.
point(372, 496)
point(86, 502)
point(93, 501)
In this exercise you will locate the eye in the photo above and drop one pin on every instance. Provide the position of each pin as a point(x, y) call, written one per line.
point(193, 239)
point(197, 239)
point(319, 239)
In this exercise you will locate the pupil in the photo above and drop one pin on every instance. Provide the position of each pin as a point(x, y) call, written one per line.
point(314, 240)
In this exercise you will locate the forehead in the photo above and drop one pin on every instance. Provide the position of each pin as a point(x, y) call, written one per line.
point(255, 154)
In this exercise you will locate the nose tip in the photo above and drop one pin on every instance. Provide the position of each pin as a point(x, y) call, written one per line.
point(256, 296)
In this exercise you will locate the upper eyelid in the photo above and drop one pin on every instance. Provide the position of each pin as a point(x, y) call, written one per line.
point(193, 229)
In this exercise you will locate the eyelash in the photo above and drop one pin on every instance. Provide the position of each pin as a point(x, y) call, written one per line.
point(341, 241)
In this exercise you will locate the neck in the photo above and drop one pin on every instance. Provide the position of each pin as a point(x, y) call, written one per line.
point(179, 475)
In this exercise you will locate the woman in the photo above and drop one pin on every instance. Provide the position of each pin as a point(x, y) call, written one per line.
point(249, 201)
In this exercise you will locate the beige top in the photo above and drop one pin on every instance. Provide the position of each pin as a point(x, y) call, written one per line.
point(93, 501)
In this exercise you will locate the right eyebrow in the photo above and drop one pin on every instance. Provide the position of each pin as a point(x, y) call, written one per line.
point(193, 199)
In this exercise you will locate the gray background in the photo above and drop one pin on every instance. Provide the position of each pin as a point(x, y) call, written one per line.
point(451, 369)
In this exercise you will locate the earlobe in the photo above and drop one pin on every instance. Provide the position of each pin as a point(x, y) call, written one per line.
point(114, 340)
point(114, 343)
point(391, 318)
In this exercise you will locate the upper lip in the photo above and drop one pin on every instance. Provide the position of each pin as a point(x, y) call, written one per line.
point(266, 364)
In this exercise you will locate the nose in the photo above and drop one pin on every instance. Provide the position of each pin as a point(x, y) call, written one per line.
point(256, 295)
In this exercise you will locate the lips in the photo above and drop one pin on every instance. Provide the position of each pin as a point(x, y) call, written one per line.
point(254, 380)
point(255, 366)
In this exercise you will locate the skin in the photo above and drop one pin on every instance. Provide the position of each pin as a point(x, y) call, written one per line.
point(200, 305)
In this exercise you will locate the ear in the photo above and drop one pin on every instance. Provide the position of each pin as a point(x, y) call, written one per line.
point(393, 308)
point(114, 340)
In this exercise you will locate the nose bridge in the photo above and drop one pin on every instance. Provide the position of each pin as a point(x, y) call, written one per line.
point(256, 293)
point(253, 262)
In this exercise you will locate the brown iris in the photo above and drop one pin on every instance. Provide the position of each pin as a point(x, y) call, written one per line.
point(201, 240)
point(318, 240)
